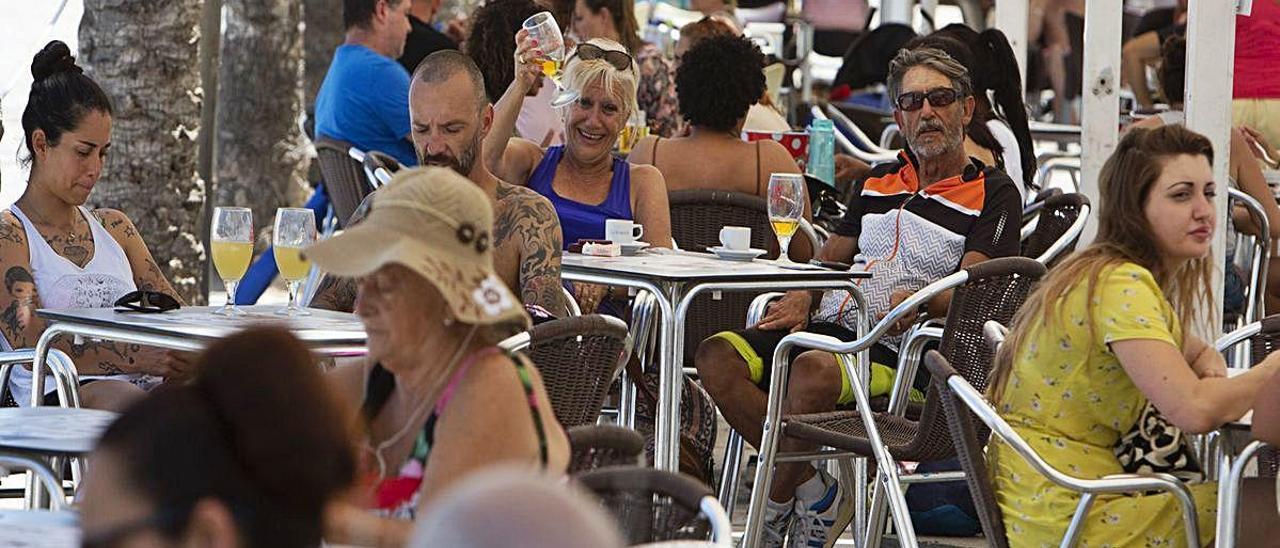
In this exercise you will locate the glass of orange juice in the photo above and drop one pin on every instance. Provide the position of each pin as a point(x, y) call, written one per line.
point(231, 242)
point(295, 229)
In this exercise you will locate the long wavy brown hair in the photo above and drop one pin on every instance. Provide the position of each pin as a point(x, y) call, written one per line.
point(1124, 235)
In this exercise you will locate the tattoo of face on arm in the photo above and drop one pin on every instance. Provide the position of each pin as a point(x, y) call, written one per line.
point(22, 289)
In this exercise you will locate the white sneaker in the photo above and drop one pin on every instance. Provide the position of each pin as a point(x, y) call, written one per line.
point(776, 526)
point(818, 523)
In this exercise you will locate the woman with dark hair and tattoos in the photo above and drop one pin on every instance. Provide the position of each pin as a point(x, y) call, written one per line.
point(76, 258)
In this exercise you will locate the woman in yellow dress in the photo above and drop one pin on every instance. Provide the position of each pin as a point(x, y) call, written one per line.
point(1106, 333)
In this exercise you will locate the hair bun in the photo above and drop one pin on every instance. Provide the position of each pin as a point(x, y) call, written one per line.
point(53, 59)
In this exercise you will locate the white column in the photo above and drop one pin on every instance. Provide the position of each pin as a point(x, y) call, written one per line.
point(1211, 40)
point(897, 11)
point(1011, 19)
point(1100, 99)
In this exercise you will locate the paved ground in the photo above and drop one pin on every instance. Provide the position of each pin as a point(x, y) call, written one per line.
point(740, 511)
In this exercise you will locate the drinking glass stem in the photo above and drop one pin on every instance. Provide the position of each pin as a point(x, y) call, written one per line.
point(293, 296)
point(785, 243)
point(231, 293)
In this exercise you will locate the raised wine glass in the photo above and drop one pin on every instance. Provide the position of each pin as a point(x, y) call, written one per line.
point(295, 229)
point(786, 208)
point(231, 240)
point(542, 26)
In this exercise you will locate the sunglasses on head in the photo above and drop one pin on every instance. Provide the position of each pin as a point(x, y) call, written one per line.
point(147, 302)
point(937, 97)
point(620, 60)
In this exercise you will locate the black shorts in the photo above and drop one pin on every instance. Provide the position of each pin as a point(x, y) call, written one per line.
point(50, 399)
point(756, 347)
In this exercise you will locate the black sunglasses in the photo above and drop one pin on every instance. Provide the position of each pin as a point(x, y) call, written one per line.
point(620, 60)
point(938, 98)
point(147, 302)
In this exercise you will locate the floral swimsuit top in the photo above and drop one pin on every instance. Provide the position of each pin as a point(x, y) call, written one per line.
point(398, 496)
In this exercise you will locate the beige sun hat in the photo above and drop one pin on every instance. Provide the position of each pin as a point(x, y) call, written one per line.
point(438, 224)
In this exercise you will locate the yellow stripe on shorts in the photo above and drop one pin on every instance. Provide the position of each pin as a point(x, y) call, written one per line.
point(881, 375)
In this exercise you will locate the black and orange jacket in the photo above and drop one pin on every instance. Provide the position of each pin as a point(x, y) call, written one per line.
point(979, 206)
point(913, 236)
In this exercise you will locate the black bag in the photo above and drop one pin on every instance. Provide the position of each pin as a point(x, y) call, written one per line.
point(697, 421)
point(1155, 445)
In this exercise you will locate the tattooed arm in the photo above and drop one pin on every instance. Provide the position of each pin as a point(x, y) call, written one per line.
point(335, 293)
point(146, 273)
point(22, 328)
point(532, 219)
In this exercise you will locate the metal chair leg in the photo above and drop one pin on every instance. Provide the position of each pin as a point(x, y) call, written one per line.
point(731, 473)
point(1076, 527)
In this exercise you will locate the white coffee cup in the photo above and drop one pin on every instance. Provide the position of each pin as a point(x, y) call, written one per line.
point(622, 231)
point(737, 238)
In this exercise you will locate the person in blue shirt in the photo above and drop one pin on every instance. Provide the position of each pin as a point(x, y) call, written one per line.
point(364, 99)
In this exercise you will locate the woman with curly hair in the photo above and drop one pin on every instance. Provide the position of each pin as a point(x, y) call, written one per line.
point(616, 20)
point(718, 80)
point(490, 45)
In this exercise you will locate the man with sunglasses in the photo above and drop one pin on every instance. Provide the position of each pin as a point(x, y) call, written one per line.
point(933, 211)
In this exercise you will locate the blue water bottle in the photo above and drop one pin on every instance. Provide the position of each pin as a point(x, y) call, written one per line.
point(822, 152)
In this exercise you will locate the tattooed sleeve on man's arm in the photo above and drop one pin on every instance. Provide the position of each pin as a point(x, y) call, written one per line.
point(532, 219)
point(335, 293)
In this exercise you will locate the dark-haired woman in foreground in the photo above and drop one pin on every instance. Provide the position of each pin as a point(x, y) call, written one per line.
point(220, 462)
point(78, 258)
point(1109, 332)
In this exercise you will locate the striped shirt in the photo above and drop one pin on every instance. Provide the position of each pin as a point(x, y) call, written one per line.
point(913, 236)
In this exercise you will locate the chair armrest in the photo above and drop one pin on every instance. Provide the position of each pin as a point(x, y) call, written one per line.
point(721, 528)
point(43, 473)
point(909, 361)
point(760, 305)
point(516, 343)
point(995, 333)
point(908, 306)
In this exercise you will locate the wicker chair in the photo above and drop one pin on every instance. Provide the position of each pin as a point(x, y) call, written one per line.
point(990, 290)
point(1253, 255)
point(1032, 209)
point(578, 358)
point(656, 505)
point(696, 219)
point(970, 439)
point(1058, 228)
point(600, 445)
point(344, 176)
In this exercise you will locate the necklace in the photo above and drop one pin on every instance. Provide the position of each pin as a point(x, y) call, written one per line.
point(71, 237)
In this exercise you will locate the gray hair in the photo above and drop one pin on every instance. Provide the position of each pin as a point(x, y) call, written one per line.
point(932, 58)
point(514, 507)
point(444, 64)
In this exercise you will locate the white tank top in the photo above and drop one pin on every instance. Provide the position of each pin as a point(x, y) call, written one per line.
point(60, 283)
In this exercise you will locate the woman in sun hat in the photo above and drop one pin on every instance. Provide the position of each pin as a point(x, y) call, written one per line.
point(438, 399)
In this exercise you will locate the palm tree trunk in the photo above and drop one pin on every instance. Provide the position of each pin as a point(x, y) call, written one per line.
point(261, 155)
point(144, 55)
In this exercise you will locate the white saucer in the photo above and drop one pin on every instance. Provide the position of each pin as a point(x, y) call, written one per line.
point(633, 247)
point(736, 254)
